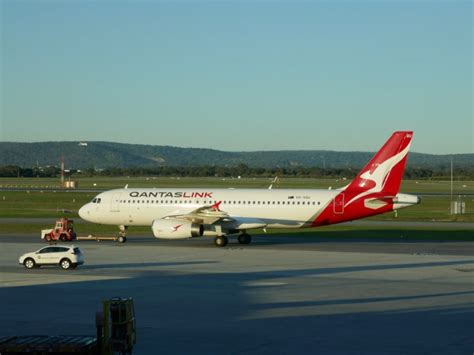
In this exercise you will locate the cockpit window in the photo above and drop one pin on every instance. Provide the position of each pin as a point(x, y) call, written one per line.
point(96, 200)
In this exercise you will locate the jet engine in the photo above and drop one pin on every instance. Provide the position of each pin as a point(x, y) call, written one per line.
point(176, 229)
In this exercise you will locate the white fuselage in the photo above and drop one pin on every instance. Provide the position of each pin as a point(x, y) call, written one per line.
point(280, 208)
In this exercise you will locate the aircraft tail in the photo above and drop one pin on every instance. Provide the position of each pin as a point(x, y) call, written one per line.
point(384, 172)
point(375, 189)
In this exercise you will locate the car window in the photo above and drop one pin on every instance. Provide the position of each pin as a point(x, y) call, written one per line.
point(47, 250)
point(61, 250)
point(55, 249)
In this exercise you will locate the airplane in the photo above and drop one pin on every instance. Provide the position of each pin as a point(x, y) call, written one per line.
point(191, 212)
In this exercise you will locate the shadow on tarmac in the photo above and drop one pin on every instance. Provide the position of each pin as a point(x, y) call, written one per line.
point(141, 265)
point(232, 313)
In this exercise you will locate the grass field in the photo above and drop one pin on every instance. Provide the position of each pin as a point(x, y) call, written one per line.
point(105, 183)
point(53, 202)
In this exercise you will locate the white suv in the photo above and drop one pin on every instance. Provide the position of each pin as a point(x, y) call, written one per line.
point(66, 257)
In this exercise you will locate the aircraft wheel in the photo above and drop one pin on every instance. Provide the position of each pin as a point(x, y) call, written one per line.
point(244, 238)
point(122, 239)
point(221, 241)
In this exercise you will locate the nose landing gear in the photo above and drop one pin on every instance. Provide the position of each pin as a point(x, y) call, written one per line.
point(122, 237)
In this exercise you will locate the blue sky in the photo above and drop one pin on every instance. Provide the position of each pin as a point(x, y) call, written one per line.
point(239, 75)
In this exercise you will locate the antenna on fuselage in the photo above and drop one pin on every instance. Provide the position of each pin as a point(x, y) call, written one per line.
point(274, 181)
point(126, 186)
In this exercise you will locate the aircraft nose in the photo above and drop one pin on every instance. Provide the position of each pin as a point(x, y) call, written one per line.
point(84, 212)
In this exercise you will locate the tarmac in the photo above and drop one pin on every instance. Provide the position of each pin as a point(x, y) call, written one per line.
point(284, 296)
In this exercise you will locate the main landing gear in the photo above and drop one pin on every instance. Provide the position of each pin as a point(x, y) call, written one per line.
point(222, 240)
point(244, 238)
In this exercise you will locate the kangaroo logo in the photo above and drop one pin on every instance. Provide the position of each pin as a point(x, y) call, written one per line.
point(175, 228)
point(375, 178)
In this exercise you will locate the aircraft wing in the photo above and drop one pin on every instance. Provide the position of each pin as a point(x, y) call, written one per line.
point(205, 215)
point(213, 215)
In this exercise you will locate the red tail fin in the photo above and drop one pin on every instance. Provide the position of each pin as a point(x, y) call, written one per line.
point(384, 171)
point(373, 190)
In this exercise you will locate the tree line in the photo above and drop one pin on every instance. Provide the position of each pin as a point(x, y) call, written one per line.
point(242, 170)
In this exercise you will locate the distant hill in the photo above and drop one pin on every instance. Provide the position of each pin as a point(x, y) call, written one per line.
point(102, 155)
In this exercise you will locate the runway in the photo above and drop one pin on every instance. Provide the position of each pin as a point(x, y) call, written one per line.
point(358, 223)
point(275, 296)
point(289, 242)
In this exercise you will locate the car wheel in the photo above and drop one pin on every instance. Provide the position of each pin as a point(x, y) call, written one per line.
point(63, 237)
point(48, 238)
point(29, 263)
point(65, 264)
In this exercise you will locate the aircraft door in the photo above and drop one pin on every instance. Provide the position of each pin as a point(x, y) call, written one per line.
point(115, 202)
point(338, 204)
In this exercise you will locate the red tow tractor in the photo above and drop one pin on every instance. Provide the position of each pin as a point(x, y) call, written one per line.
point(63, 231)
